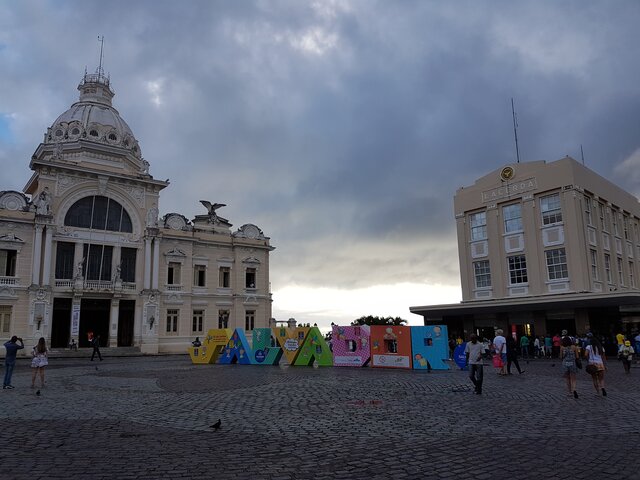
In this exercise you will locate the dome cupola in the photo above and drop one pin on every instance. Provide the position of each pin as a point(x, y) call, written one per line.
point(93, 118)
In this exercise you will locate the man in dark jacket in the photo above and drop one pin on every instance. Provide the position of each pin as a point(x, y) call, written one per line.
point(10, 360)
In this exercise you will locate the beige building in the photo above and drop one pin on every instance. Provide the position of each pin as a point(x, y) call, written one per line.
point(83, 250)
point(545, 247)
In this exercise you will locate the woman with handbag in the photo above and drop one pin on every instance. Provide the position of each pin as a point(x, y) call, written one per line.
point(596, 365)
point(569, 355)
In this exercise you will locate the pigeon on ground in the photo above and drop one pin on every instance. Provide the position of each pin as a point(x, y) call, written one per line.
point(96, 368)
point(216, 425)
point(38, 393)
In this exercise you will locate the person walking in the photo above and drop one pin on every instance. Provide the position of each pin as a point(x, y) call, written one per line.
point(568, 354)
point(512, 355)
point(500, 350)
point(474, 353)
point(626, 355)
point(40, 360)
point(12, 348)
point(95, 343)
point(524, 346)
point(596, 363)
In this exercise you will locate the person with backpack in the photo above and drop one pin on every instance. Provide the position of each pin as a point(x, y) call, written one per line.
point(626, 355)
point(568, 355)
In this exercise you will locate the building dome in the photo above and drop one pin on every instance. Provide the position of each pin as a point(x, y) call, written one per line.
point(93, 118)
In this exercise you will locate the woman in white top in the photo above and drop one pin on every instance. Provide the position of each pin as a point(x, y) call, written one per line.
point(596, 366)
point(40, 360)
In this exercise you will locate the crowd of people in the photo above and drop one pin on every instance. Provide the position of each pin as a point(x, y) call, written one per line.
point(569, 350)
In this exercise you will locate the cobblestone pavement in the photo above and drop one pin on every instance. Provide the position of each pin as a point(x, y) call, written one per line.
point(150, 417)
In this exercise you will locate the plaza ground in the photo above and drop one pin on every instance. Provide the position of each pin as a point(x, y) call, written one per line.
point(150, 418)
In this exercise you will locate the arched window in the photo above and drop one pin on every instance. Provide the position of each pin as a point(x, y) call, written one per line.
point(98, 213)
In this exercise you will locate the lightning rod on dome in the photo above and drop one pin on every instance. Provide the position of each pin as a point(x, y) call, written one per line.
point(100, 71)
point(515, 130)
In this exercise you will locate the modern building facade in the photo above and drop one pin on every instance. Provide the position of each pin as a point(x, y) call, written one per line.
point(544, 247)
point(83, 251)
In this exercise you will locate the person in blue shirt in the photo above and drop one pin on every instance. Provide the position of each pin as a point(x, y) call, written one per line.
point(10, 360)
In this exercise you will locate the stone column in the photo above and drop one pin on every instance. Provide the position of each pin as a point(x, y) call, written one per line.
point(115, 265)
point(113, 320)
point(37, 254)
point(147, 263)
point(46, 266)
point(156, 263)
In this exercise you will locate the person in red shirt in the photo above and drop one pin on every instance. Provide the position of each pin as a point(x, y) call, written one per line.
point(556, 345)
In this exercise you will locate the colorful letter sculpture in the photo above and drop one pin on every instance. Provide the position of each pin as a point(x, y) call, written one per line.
point(237, 350)
point(429, 347)
point(290, 340)
point(384, 346)
point(211, 346)
point(315, 348)
point(390, 346)
point(263, 352)
point(351, 346)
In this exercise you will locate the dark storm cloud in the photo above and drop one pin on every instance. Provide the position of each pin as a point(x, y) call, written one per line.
point(342, 129)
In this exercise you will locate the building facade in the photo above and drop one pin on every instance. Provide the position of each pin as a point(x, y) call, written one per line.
point(83, 251)
point(545, 247)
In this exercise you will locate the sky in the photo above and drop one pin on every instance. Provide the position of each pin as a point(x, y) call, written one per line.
point(341, 128)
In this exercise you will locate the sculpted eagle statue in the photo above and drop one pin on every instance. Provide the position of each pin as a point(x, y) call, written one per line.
point(211, 208)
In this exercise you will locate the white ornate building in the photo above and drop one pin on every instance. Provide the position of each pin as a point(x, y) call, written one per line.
point(83, 251)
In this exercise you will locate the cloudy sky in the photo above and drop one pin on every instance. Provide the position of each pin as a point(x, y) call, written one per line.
point(341, 128)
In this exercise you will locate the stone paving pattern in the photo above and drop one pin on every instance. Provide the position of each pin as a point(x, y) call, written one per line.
point(150, 417)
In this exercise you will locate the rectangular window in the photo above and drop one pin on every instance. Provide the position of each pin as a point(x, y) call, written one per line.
point(625, 226)
point(594, 264)
point(587, 210)
point(620, 273)
point(8, 263)
point(551, 209)
point(517, 269)
point(5, 320)
point(512, 215)
point(478, 222)
point(128, 264)
point(249, 319)
point(172, 321)
point(482, 273)
point(557, 264)
point(250, 278)
point(199, 275)
point(64, 260)
point(173, 274)
point(632, 278)
point(97, 262)
point(603, 225)
point(614, 219)
point(224, 277)
point(223, 318)
point(607, 219)
point(198, 321)
point(607, 267)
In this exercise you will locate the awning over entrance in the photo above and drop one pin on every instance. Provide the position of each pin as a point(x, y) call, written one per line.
point(627, 300)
